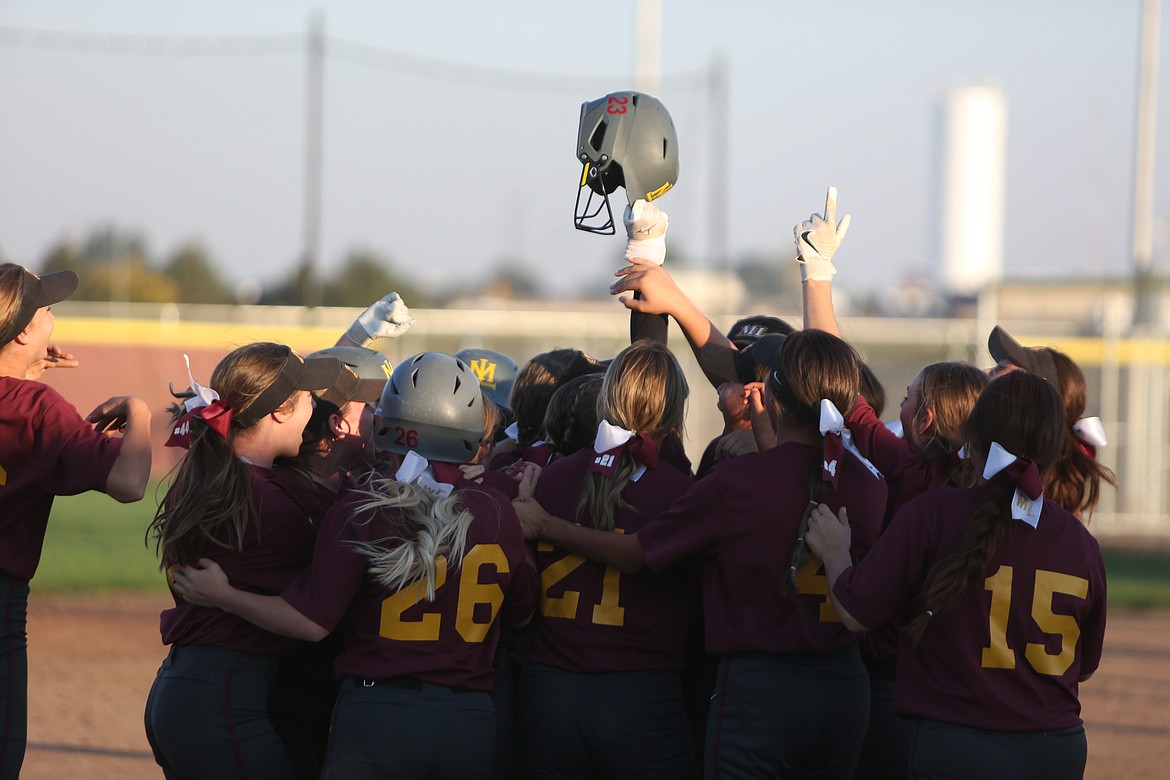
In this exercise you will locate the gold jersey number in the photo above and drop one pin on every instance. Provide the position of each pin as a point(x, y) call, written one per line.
point(472, 592)
point(999, 655)
point(608, 612)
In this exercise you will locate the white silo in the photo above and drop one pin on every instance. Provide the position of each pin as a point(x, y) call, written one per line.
point(973, 146)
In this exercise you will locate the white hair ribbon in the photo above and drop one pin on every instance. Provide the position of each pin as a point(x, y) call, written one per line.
point(1024, 507)
point(204, 396)
point(609, 439)
point(832, 421)
point(1090, 431)
point(416, 469)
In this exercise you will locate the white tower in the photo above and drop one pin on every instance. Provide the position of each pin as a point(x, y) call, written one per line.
point(973, 137)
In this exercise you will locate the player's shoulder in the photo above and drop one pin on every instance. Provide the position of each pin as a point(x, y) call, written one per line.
point(495, 519)
point(29, 396)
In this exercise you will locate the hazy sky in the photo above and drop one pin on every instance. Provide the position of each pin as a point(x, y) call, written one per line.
point(446, 177)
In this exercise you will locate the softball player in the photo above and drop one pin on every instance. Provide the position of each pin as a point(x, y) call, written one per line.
point(1074, 482)
point(46, 449)
point(334, 447)
point(1002, 596)
point(419, 574)
point(600, 693)
point(207, 713)
point(792, 696)
point(932, 415)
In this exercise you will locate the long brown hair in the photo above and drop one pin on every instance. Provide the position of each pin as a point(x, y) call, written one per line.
point(1074, 482)
point(949, 390)
point(1024, 414)
point(209, 501)
point(644, 391)
point(538, 380)
point(813, 365)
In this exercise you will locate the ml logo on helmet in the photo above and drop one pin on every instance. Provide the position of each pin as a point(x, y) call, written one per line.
point(485, 372)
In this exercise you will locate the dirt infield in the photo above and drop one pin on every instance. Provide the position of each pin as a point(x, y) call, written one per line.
point(92, 660)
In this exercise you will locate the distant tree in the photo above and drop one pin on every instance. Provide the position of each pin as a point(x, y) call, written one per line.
point(512, 279)
point(112, 266)
point(130, 279)
point(287, 291)
point(63, 256)
point(366, 276)
point(195, 276)
point(769, 276)
point(110, 244)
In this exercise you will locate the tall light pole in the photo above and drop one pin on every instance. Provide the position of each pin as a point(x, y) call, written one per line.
point(1143, 185)
point(648, 47)
point(719, 160)
point(314, 152)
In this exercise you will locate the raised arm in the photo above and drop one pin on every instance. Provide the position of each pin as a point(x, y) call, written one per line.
point(131, 470)
point(646, 227)
point(817, 240)
point(386, 318)
point(657, 293)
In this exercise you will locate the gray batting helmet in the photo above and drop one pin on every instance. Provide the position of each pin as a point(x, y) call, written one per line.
point(433, 406)
point(623, 139)
point(495, 371)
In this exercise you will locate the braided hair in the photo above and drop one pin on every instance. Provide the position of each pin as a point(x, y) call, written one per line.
point(1025, 415)
point(813, 365)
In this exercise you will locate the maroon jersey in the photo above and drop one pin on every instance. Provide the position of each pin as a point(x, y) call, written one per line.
point(594, 618)
point(1008, 655)
point(743, 520)
point(908, 472)
point(46, 449)
point(277, 548)
point(539, 453)
point(908, 475)
point(502, 481)
point(314, 498)
point(450, 641)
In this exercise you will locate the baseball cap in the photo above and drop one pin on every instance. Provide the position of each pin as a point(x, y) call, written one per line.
point(495, 371)
point(1037, 360)
point(297, 373)
point(35, 292)
point(740, 365)
point(750, 329)
point(363, 374)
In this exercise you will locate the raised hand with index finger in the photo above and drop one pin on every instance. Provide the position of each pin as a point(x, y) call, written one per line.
point(817, 240)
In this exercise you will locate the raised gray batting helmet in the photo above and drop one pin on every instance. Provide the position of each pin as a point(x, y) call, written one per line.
point(624, 139)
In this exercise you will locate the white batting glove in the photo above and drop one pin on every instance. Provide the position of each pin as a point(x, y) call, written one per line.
point(646, 227)
point(817, 240)
point(385, 319)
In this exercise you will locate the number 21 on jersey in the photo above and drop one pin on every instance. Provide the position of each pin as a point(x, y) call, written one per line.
point(607, 612)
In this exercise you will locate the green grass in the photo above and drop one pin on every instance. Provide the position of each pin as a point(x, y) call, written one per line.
point(96, 544)
point(1138, 578)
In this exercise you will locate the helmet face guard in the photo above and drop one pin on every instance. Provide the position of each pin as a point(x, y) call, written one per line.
point(624, 139)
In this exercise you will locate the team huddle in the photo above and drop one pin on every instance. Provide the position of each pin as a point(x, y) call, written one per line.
point(463, 567)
